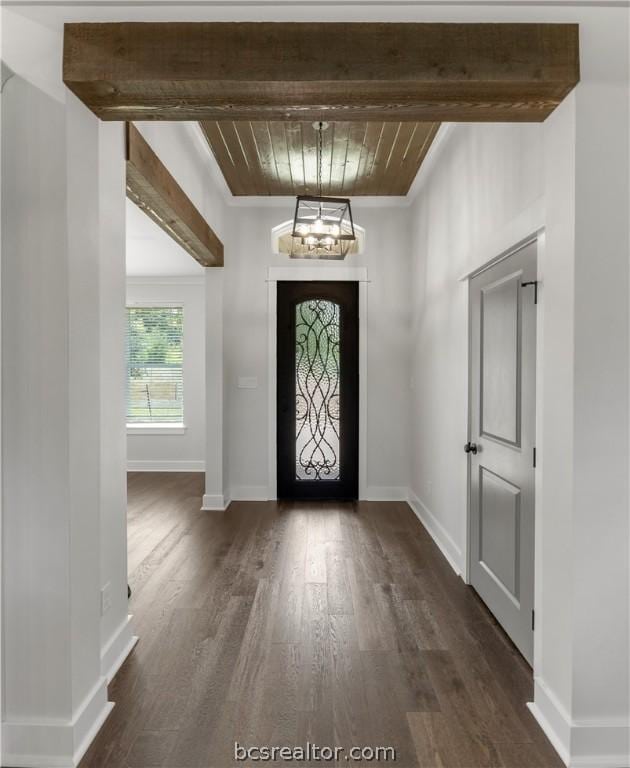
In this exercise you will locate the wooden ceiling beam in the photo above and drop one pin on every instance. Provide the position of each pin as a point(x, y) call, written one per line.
point(306, 71)
point(152, 188)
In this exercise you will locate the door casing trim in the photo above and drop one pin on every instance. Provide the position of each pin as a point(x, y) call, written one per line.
point(305, 274)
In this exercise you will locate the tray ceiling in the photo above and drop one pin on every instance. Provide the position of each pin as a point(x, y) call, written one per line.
point(280, 157)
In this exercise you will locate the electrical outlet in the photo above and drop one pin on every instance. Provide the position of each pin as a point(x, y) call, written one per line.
point(106, 598)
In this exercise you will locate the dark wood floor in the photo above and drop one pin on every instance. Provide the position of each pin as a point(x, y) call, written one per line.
point(277, 624)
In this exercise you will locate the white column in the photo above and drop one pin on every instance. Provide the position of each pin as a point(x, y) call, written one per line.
point(55, 696)
point(216, 495)
point(601, 536)
point(117, 638)
point(582, 656)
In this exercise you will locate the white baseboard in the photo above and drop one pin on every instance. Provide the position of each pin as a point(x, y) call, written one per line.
point(188, 465)
point(249, 493)
point(439, 534)
point(214, 502)
point(552, 718)
point(261, 493)
point(56, 744)
point(600, 744)
point(117, 648)
point(385, 493)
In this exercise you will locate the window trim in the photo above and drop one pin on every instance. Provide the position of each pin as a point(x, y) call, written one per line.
point(148, 428)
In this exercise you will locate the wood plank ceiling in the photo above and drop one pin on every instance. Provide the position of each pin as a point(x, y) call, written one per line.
point(280, 157)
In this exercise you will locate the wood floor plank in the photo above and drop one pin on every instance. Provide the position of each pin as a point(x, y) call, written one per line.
point(315, 570)
point(256, 640)
point(440, 741)
point(468, 728)
point(527, 756)
point(207, 690)
point(315, 686)
point(337, 586)
point(374, 633)
point(288, 623)
point(430, 636)
point(151, 748)
point(475, 666)
point(350, 712)
point(278, 623)
point(389, 727)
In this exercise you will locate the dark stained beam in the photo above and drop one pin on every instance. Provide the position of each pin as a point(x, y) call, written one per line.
point(152, 188)
point(306, 71)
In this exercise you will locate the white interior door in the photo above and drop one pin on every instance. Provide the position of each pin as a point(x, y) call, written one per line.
point(502, 442)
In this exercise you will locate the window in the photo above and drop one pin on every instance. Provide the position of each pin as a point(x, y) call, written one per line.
point(154, 365)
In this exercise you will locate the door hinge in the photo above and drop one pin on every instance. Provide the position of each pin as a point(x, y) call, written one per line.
point(535, 284)
point(533, 620)
point(534, 457)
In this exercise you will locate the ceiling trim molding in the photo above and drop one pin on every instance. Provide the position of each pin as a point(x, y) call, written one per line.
point(288, 201)
point(306, 271)
point(165, 279)
point(445, 131)
point(388, 4)
point(210, 160)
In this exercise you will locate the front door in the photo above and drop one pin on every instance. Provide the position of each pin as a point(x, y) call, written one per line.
point(502, 442)
point(318, 390)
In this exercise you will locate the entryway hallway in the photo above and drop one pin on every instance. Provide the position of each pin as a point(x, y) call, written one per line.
point(278, 624)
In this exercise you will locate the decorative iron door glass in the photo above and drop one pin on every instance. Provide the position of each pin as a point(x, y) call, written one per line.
point(317, 395)
point(317, 390)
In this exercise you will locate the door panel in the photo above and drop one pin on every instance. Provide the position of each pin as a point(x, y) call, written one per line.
point(318, 385)
point(500, 359)
point(503, 421)
point(499, 530)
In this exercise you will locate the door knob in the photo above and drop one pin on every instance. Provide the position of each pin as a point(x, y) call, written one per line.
point(470, 447)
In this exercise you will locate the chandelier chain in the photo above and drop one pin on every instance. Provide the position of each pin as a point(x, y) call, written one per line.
point(319, 162)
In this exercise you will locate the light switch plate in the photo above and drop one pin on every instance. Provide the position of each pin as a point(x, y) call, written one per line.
point(248, 382)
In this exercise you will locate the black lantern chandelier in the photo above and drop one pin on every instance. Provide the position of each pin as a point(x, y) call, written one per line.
point(322, 226)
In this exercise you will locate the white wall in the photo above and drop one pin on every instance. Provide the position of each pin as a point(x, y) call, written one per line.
point(490, 187)
point(482, 194)
point(150, 252)
point(176, 452)
point(246, 350)
point(182, 149)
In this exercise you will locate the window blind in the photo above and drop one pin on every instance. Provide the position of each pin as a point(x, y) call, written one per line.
point(154, 365)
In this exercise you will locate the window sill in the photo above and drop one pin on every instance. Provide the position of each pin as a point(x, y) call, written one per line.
point(156, 429)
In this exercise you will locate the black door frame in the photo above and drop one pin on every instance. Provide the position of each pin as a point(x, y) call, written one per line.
point(289, 293)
